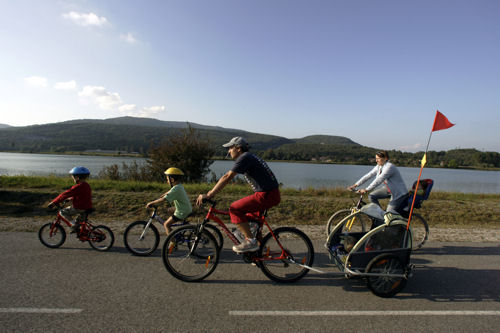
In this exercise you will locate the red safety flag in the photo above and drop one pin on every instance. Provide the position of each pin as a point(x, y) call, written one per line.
point(441, 122)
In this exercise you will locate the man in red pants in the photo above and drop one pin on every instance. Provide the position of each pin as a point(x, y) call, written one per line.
point(261, 179)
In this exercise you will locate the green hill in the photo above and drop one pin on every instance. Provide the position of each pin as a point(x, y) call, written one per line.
point(326, 140)
point(130, 134)
point(127, 134)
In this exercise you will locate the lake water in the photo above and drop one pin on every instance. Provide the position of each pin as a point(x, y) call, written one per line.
point(291, 175)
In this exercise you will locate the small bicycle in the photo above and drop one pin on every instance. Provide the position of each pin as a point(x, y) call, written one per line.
point(53, 235)
point(141, 238)
point(190, 253)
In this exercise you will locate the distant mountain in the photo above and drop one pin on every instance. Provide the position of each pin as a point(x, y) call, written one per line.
point(326, 140)
point(4, 126)
point(147, 122)
point(120, 134)
point(130, 134)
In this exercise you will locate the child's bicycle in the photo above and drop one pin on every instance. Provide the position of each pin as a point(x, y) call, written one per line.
point(362, 222)
point(141, 238)
point(190, 253)
point(53, 235)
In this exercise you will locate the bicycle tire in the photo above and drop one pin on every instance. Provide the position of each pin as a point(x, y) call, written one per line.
point(216, 233)
point(101, 238)
point(386, 286)
point(187, 265)
point(335, 219)
point(300, 250)
point(52, 237)
point(419, 231)
point(138, 246)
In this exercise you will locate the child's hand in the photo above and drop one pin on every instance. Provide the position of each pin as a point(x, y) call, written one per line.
point(199, 200)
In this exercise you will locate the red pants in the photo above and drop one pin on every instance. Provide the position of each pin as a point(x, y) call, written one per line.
point(257, 202)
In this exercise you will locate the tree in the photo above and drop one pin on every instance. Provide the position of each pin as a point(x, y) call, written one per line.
point(184, 150)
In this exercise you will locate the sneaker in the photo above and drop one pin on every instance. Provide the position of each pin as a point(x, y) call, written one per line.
point(246, 246)
point(172, 244)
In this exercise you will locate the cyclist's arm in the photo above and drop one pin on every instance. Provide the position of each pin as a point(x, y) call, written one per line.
point(68, 194)
point(387, 172)
point(155, 202)
point(373, 172)
point(223, 181)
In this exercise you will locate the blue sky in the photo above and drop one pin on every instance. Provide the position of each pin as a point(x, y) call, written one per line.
point(373, 71)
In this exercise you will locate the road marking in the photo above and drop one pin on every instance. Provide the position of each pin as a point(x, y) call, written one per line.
point(365, 313)
point(38, 310)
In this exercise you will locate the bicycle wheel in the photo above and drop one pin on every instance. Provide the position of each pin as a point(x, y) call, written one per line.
point(384, 285)
point(187, 257)
point(217, 234)
point(140, 241)
point(335, 219)
point(101, 238)
point(281, 267)
point(419, 231)
point(52, 237)
point(360, 222)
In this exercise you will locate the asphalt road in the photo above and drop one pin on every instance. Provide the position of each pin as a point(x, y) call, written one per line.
point(455, 287)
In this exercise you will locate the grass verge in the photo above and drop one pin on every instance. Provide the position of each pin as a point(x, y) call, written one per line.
point(24, 199)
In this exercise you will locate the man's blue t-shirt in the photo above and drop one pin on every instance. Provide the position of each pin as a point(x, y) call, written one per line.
point(256, 172)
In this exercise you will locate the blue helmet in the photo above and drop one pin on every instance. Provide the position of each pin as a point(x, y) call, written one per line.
point(79, 170)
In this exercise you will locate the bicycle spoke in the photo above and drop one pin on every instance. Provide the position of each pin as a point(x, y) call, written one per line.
point(287, 264)
point(188, 258)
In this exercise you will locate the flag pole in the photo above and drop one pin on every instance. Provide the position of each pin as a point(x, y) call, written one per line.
point(422, 164)
point(440, 123)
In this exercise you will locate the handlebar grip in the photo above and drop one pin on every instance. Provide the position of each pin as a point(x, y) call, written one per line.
point(210, 201)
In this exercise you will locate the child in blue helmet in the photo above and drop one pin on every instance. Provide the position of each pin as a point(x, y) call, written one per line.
point(80, 194)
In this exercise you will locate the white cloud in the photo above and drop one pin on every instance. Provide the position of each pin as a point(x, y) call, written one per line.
point(129, 38)
point(127, 108)
point(111, 101)
point(85, 20)
point(69, 85)
point(102, 97)
point(36, 81)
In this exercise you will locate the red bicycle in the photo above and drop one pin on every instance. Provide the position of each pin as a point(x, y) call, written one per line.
point(191, 253)
point(53, 235)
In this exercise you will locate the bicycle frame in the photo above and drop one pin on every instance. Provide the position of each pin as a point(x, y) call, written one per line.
point(154, 216)
point(212, 216)
point(83, 233)
point(355, 209)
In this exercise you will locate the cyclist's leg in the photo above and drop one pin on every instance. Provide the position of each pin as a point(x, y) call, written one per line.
point(379, 193)
point(69, 214)
point(394, 205)
point(257, 202)
point(238, 210)
point(171, 220)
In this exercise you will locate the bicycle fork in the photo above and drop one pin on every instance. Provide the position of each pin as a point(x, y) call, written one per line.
point(146, 228)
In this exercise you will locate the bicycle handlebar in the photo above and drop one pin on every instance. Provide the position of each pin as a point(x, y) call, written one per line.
point(155, 208)
point(210, 201)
